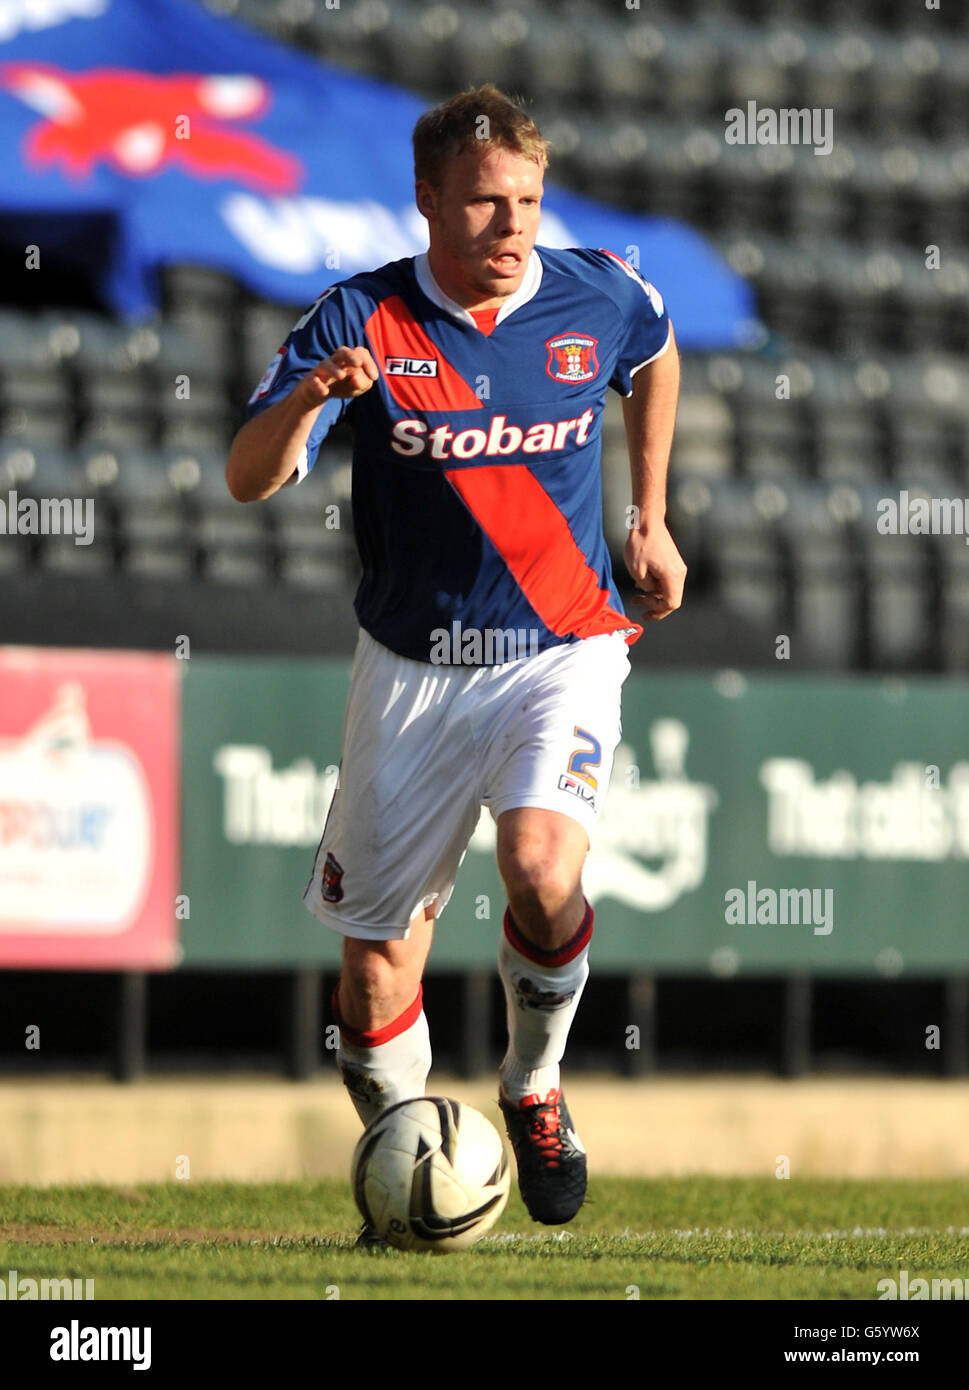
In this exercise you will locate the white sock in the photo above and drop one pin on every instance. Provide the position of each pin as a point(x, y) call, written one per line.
point(387, 1065)
point(542, 993)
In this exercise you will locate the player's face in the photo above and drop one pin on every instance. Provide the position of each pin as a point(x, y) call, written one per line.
point(482, 223)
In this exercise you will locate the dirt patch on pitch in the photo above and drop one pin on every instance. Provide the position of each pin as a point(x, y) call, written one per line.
point(25, 1234)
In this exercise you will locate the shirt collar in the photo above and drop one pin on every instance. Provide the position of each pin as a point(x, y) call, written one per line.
point(526, 290)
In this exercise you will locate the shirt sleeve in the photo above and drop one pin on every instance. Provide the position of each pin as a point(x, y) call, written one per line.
point(314, 336)
point(645, 320)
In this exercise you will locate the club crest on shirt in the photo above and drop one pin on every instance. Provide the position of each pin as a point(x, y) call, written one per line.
point(331, 879)
point(572, 357)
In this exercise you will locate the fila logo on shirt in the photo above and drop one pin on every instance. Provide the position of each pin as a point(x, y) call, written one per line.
point(412, 437)
point(410, 366)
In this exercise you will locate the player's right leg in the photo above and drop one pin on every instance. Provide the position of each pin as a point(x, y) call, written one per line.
point(403, 811)
point(384, 1052)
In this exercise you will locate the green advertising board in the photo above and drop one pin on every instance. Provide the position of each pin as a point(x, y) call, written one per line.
point(260, 749)
point(752, 825)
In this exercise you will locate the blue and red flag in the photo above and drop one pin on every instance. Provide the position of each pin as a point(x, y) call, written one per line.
point(139, 133)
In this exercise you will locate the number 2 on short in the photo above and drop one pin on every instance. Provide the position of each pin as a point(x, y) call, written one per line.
point(586, 757)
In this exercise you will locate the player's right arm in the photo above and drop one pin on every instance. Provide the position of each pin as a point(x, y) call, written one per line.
point(268, 448)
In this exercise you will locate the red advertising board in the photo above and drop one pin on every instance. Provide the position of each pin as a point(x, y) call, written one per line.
point(88, 809)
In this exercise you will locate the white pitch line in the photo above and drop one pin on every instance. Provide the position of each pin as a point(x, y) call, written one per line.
point(856, 1233)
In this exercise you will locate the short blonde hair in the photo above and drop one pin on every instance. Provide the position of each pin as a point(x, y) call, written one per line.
point(456, 126)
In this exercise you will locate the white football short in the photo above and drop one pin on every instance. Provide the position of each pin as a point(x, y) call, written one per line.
point(425, 747)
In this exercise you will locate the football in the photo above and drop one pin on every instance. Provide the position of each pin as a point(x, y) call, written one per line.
point(431, 1174)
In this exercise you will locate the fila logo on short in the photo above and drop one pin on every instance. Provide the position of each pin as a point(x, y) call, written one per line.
point(410, 366)
point(567, 783)
point(572, 357)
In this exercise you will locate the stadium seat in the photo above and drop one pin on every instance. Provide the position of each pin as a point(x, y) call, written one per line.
point(771, 437)
point(355, 37)
point(119, 410)
point(149, 508)
point(899, 601)
point(36, 403)
point(213, 333)
point(490, 47)
point(906, 78)
point(423, 40)
point(41, 471)
point(749, 576)
point(24, 341)
point(63, 555)
point(952, 559)
point(158, 562)
point(619, 75)
point(703, 445)
point(920, 451)
point(838, 70)
point(265, 327)
point(229, 565)
point(16, 555)
point(201, 421)
point(222, 531)
point(178, 353)
point(553, 63)
point(302, 569)
point(848, 442)
point(827, 589)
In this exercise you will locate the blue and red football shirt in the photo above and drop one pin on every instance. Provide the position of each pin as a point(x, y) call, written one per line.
point(476, 492)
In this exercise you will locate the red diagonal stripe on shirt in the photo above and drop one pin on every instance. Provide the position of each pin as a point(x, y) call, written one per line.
point(533, 538)
point(394, 332)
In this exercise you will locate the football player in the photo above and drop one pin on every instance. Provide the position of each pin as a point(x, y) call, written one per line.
point(493, 642)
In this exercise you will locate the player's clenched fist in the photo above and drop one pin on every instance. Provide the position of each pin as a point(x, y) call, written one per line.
point(348, 372)
point(659, 571)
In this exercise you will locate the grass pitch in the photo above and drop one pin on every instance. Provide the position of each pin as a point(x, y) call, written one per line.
point(685, 1238)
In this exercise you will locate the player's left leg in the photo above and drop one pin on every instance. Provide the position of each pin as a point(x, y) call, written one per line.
point(553, 745)
point(544, 943)
point(542, 961)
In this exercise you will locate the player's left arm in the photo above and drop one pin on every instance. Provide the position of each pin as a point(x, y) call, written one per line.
point(650, 553)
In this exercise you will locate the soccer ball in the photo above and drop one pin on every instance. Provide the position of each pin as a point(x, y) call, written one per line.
point(431, 1174)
